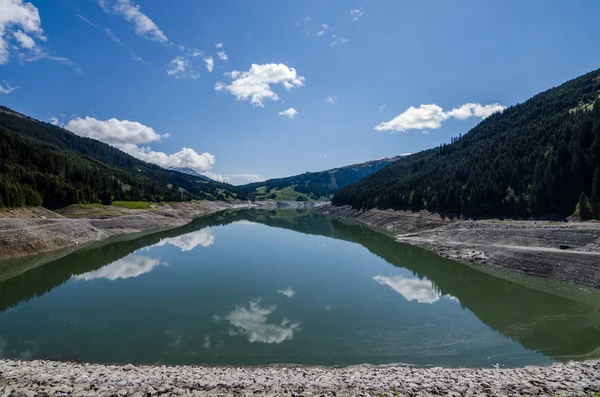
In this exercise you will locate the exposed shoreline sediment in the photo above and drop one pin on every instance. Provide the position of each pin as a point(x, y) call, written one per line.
point(562, 251)
point(48, 378)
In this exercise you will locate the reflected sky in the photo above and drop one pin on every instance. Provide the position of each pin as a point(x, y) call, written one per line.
point(412, 289)
point(252, 321)
point(128, 267)
point(187, 242)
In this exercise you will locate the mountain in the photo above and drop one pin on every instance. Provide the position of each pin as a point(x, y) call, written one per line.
point(42, 164)
point(189, 171)
point(314, 185)
point(537, 158)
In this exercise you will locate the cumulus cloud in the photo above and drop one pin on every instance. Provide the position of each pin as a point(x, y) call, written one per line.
point(187, 242)
point(256, 84)
point(324, 29)
point(219, 45)
point(430, 117)
point(129, 135)
point(411, 289)
point(6, 88)
point(252, 321)
point(179, 67)
point(356, 14)
point(129, 267)
point(209, 62)
point(291, 112)
point(20, 22)
point(112, 131)
point(287, 292)
point(142, 24)
point(222, 56)
point(331, 99)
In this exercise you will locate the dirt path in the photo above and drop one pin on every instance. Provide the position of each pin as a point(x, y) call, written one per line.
point(564, 251)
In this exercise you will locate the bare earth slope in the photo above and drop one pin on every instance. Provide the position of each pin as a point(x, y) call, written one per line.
point(565, 251)
point(32, 231)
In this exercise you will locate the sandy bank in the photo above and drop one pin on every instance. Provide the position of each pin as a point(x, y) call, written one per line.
point(46, 378)
point(31, 231)
point(564, 251)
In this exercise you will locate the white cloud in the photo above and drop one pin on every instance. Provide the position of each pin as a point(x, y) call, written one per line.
point(255, 84)
point(252, 322)
point(209, 62)
point(142, 24)
point(287, 292)
point(112, 131)
point(19, 21)
point(426, 132)
point(331, 99)
point(111, 35)
point(206, 344)
point(222, 56)
point(412, 289)
point(187, 242)
point(338, 40)
point(6, 88)
point(128, 135)
point(323, 156)
point(356, 14)
point(129, 267)
point(219, 45)
point(324, 29)
point(427, 117)
point(179, 67)
point(382, 107)
point(291, 113)
point(195, 52)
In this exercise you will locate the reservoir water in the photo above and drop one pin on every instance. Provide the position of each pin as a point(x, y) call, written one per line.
point(259, 287)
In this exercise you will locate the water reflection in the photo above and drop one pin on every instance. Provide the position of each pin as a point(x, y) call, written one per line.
point(563, 323)
point(287, 292)
point(252, 322)
point(129, 267)
point(189, 241)
point(412, 289)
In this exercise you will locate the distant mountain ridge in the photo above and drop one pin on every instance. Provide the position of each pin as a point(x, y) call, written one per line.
point(190, 171)
point(319, 185)
point(537, 158)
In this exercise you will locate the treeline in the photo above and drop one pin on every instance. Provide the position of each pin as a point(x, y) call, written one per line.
point(321, 184)
point(41, 164)
point(538, 158)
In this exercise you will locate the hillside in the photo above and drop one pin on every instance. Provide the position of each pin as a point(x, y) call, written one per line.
point(314, 185)
point(42, 164)
point(541, 157)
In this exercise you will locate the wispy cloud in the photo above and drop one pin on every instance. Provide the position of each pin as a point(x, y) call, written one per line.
point(338, 40)
point(331, 99)
point(6, 88)
point(142, 24)
point(180, 68)
point(356, 14)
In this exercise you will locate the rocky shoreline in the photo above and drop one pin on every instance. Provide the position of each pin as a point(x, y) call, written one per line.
point(48, 378)
point(562, 251)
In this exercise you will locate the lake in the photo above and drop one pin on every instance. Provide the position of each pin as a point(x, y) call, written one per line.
point(256, 287)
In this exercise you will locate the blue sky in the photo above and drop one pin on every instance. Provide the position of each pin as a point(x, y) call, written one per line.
point(101, 68)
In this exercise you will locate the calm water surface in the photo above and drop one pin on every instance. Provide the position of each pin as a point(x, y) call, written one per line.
point(259, 287)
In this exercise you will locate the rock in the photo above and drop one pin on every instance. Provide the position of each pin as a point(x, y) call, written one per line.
point(129, 367)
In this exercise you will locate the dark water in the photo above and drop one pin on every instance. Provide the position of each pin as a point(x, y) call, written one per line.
point(259, 287)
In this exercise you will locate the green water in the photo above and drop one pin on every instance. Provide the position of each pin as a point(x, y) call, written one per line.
point(260, 287)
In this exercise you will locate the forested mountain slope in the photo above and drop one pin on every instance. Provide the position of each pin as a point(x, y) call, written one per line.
point(42, 164)
point(536, 158)
point(314, 185)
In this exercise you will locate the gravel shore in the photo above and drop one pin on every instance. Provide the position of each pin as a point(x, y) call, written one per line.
point(48, 378)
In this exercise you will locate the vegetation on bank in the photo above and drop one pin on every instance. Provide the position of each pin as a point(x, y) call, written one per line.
point(42, 164)
point(313, 185)
point(537, 158)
